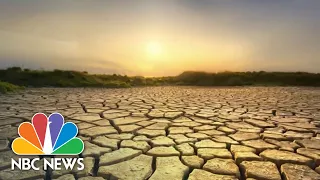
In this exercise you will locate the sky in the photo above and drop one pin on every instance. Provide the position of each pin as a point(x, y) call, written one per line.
point(161, 37)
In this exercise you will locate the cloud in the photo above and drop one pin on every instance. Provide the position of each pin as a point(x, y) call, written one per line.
point(36, 52)
point(109, 36)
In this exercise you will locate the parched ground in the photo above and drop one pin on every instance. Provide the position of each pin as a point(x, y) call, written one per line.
point(174, 133)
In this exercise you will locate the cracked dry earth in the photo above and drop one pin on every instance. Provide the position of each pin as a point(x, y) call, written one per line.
point(175, 133)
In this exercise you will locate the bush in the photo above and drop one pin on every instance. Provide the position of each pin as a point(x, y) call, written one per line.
point(249, 78)
point(235, 81)
point(64, 78)
point(8, 87)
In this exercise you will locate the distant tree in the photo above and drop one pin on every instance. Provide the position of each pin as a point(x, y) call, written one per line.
point(16, 69)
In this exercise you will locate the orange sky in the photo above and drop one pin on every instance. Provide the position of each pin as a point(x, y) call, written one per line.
point(159, 38)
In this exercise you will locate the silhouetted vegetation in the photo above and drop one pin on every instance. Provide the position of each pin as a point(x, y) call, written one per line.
point(60, 78)
point(63, 78)
point(249, 78)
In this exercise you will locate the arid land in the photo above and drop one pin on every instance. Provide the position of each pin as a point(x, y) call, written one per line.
point(177, 132)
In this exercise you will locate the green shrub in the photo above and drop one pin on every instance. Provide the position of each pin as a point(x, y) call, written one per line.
point(8, 87)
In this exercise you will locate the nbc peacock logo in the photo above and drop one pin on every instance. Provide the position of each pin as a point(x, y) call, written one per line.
point(47, 136)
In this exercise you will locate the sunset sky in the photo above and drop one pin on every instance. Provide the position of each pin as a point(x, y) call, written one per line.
point(161, 37)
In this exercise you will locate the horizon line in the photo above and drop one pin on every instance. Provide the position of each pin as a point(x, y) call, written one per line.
point(185, 71)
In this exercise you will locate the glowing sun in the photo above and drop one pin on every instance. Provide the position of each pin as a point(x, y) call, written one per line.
point(153, 49)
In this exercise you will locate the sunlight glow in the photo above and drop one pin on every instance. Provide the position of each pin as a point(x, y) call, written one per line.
point(153, 49)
